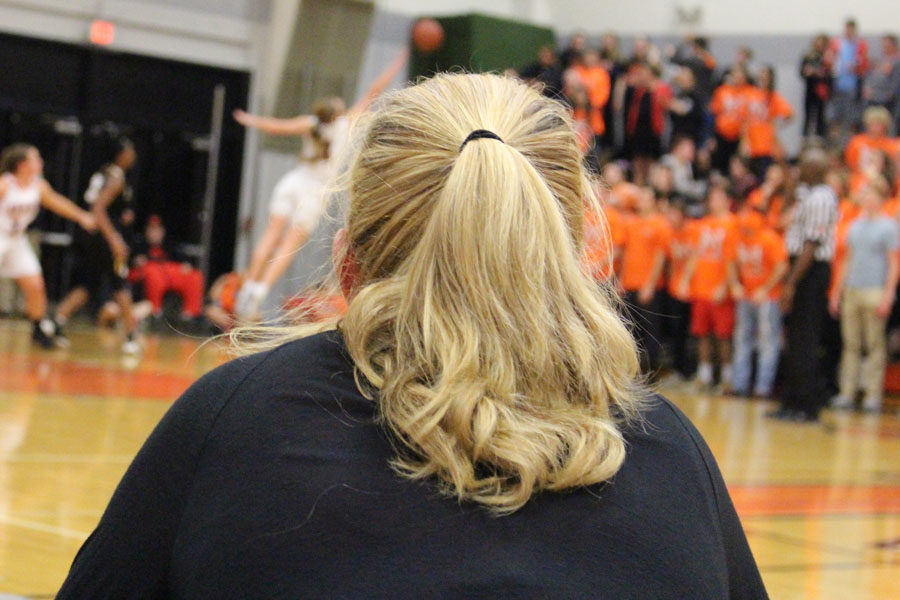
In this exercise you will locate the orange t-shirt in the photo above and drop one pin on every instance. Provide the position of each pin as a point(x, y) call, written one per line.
point(680, 249)
point(891, 207)
point(729, 105)
point(774, 209)
point(644, 237)
point(600, 243)
point(626, 195)
point(762, 110)
point(757, 257)
point(715, 239)
point(862, 143)
point(596, 81)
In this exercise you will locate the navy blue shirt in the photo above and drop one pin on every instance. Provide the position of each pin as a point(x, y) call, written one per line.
point(270, 479)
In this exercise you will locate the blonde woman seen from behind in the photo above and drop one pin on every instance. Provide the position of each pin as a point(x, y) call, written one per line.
point(473, 427)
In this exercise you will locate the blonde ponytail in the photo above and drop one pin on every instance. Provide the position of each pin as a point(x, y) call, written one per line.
point(499, 366)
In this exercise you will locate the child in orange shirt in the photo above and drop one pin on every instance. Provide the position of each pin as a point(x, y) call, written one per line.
point(678, 310)
point(643, 259)
point(706, 279)
point(604, 235)
point(761, 262)
point(769, 198)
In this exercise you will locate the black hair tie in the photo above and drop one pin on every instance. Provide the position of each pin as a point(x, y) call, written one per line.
point(480, 133)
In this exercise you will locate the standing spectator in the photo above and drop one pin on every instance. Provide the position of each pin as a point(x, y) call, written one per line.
point(595, 80)
point(612, 60)
point(883, 83)
point(678, 309)
point(810, 243)
point(705, 280)
point(864, 295)
point(877, 121)
point(761, 262)
point(687, 108)
point(576, 46)
point(681, 162)
point(604, 236)
point(623, 193)
point(769, 198)
point(729, 106)
point(815, 69)
point(851, 63)
point(695, 55)
point(643, 261)
point(644, 104)
point(765, 108)
point(546, 72)
point(742, 179)
point(646, 51)
point(743, 58)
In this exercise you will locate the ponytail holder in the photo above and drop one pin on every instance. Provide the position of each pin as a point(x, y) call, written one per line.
point(480, 133)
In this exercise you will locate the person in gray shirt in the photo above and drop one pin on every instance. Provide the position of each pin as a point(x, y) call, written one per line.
point(883, 83)
point(863, 296)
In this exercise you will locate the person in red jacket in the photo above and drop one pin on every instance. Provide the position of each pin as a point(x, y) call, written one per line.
point(162, 270)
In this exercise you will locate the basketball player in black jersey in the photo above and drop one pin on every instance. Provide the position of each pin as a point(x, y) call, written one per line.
point(102, 258)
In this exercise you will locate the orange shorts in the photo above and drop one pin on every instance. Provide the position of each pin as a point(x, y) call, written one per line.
point(708, 317)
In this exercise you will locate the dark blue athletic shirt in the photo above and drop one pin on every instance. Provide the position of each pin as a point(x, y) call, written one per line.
point(269, 479)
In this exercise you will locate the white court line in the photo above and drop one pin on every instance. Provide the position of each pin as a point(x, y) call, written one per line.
point(66, 458)
point(43, 527)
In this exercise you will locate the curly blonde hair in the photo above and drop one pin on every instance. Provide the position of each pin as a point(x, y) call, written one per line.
point(498, 364)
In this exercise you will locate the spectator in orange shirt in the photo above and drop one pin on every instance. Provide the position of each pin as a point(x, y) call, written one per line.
point(678, 311)
point(597, 84)
point(765, 107)
point(624, 194)
point(729, 106)
point(643, 260)
point(761, 262)
point(769, 198)
point(706, 279)
point(604, 235)
point(877, 121)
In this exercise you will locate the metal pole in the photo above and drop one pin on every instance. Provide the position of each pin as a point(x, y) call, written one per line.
point(212, 177)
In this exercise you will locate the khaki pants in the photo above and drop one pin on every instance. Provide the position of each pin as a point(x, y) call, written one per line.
point(862, 329)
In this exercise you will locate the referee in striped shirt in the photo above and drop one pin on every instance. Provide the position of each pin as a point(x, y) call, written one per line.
point(810, 241)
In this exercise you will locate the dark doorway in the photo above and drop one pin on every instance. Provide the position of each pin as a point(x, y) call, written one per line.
point(65, 98)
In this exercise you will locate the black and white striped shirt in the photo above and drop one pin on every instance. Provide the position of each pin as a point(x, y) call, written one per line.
point(814, 219)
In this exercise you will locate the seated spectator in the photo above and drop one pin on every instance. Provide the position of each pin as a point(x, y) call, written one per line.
point(220, 310)
point(877, 122)
point(161, 270)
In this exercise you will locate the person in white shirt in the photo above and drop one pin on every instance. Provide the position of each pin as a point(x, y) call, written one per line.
point(298, 200)
point(23, 191)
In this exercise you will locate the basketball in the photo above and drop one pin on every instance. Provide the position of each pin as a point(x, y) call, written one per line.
point(427, 35)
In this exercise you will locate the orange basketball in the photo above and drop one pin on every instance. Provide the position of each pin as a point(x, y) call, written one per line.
point(427, 35)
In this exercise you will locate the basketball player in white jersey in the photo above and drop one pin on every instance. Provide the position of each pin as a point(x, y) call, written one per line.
point(299, 197)
point(23, 191)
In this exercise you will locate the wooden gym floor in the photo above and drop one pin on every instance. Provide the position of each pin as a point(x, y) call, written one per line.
point(820, 503)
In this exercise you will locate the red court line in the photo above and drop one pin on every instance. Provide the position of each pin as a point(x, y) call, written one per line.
point(755, 501)
point(28, 375)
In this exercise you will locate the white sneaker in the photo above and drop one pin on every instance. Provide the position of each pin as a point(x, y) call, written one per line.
point(131, 347)
point(871, 405)
point(840, 401)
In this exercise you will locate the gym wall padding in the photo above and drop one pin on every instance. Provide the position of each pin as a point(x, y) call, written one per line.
point(479, 43)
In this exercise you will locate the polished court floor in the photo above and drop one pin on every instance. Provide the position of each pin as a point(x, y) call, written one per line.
point(820, 503)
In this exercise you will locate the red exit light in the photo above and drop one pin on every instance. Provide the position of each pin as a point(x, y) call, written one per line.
point(102, 33)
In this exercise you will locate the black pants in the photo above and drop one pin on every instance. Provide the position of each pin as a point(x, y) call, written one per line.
point(814, 119)
point(677, 331)
point(725, 149)
point(646, 326)
point(804, 386)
